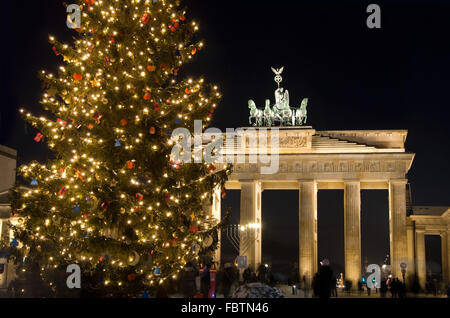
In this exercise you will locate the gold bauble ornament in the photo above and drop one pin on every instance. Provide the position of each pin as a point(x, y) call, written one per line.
point(133, 258)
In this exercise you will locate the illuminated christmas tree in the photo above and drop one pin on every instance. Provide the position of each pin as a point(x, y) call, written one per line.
point(112, 200)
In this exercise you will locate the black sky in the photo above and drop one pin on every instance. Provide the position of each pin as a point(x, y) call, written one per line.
point(356, 78)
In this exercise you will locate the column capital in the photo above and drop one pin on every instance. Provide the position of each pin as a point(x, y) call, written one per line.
point(250, 181)
point(303, 183)
point(307, 181)
point(350, 181)
point(420, 230)
point(246, 180)
point(398, 181)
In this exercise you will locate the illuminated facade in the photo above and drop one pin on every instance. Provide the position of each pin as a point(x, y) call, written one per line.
point(356, 160)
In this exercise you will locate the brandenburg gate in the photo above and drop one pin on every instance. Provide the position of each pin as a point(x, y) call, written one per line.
point(310, 160)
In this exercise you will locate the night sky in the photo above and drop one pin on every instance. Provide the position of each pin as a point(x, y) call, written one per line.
point(396, 77)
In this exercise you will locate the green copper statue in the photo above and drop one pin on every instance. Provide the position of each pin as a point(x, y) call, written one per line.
point(281, 112)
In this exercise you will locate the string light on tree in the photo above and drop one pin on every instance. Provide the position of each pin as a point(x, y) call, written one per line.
point(111, 200)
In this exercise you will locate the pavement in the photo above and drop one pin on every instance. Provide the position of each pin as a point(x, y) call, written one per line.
point(287, 291)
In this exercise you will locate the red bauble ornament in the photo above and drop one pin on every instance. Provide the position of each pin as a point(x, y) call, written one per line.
point(174, 25)
point(62, 191)
point(152, 130)
point(89, 2)
point(61, 122)
point(105, 205)
point(194, 51)
point(77, 77)
point(211, 168)
point(130, 164)
point(175, 164)
point(193, 228)
point(131, 277)
point(123, 122)
point(145, 18)
point(147, 96)
point(151, 68)
point(187, 91)
point(38, 137)
point(55, 50)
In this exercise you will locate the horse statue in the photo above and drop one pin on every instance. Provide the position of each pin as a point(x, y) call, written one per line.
point(268, 114)
point(281, 109)
point(301, 114)
point(280, 112)
point(255, 113)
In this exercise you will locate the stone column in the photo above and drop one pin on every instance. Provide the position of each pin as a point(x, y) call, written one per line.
point(217, 214)
point(445, 257)
point(420, 257)
point(352, 231)
point(307, 231)
point(397, 226)
point(251, 214)
point(214, 210)
point(448, 253)
point(411, 270)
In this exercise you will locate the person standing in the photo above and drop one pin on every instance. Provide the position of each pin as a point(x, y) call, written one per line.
point(227, 279)
point(262, 272)
point(247, 275)
point(315, 285)
point(187, 280)
point(394, 288)
point(325, 277)
point(383, 288)
point(205, 281)
point(360, 286)
point(402, 289)
point(305, 286)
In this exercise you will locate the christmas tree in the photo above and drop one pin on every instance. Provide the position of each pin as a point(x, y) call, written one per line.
point(111, 200)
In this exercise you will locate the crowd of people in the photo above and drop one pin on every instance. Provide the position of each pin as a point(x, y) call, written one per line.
point(324, 284)
point(191, 277)
point(195, 281)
